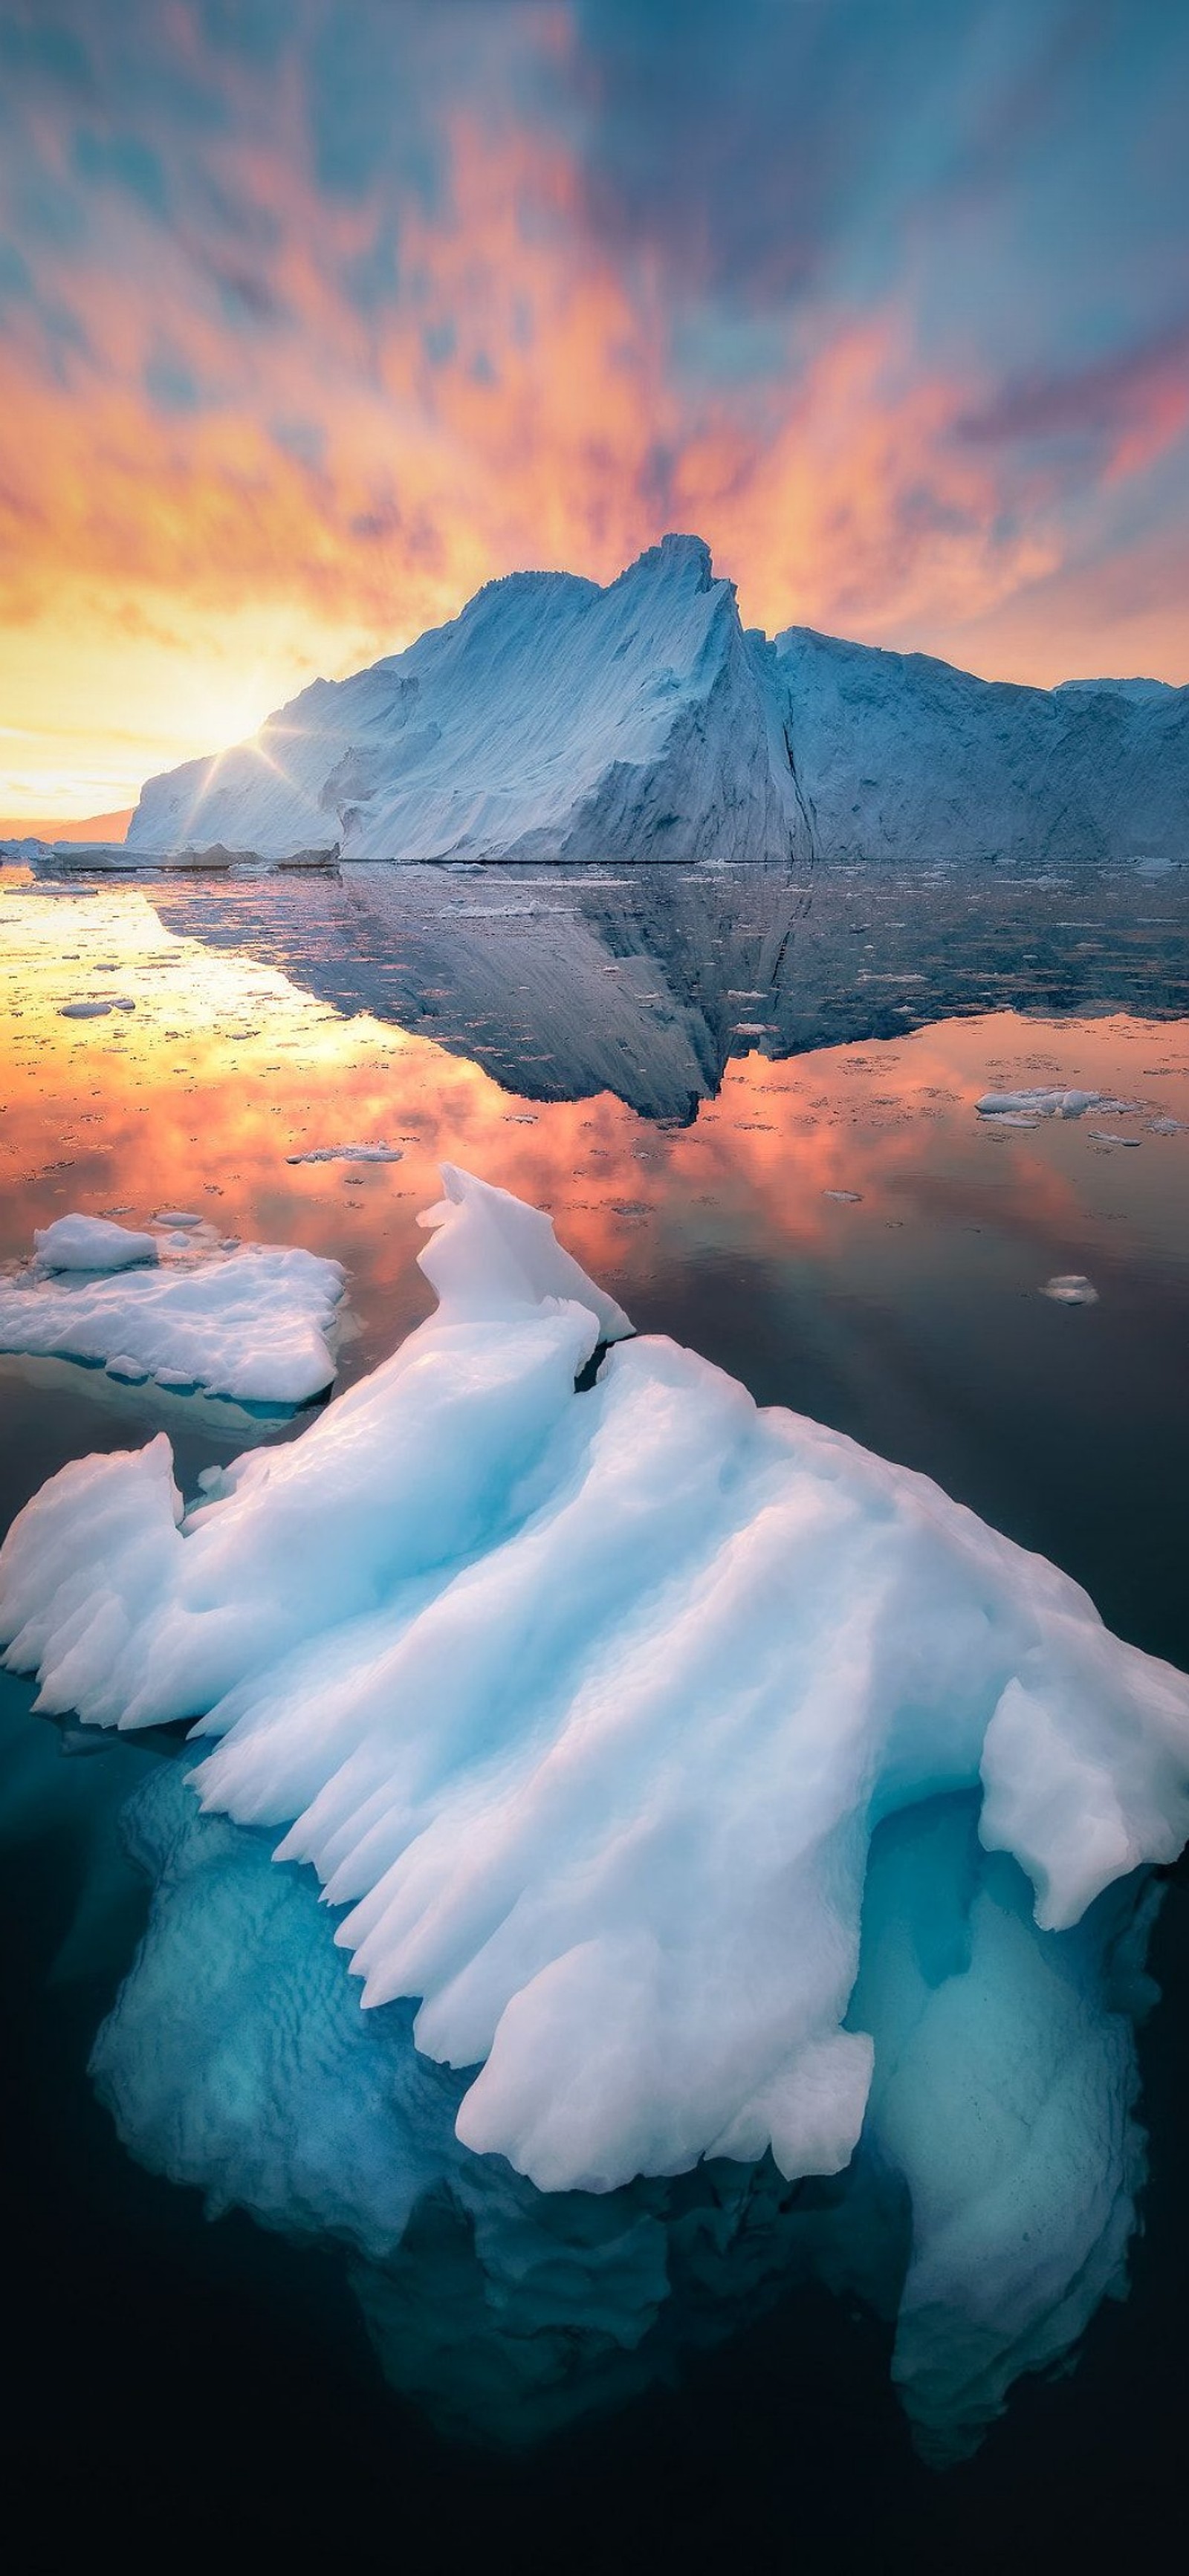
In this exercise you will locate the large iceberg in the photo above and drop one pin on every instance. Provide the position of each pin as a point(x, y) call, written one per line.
point(552, 719)
point(556, 720)
point(678, 1770)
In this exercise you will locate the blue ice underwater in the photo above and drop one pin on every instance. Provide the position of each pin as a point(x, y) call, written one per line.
point(738, 1861)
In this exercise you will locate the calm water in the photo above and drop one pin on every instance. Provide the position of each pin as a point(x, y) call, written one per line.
point(685, 1073)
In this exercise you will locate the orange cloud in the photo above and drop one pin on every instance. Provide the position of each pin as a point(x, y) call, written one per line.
point(237, 479)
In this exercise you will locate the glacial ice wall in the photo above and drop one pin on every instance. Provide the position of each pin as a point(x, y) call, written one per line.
point(556, 720)
point(551, 719)
point(904, 758)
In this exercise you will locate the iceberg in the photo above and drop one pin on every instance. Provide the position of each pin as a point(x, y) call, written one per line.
point(377, 1153)
point(257, 1323)
point(904, 758)
point(726, 1831)
point(557, 720)
point(551, 719)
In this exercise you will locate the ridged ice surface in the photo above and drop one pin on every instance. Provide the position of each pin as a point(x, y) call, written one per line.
point(551, 719)
point(584, 1707)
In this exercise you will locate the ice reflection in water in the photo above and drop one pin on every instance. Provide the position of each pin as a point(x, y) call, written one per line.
point(835, 1226)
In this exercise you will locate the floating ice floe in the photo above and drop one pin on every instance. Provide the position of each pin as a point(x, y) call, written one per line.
point(639, 1736)
point(379, 1153)
point(1070, 1289)
point(95, 1010)
point(1044, 1103)
point(255, 1323)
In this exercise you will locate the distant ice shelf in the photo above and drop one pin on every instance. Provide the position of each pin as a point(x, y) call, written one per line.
point(699, 1794)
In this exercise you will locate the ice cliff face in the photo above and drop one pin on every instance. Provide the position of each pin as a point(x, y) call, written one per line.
point(552, 719)
point(902, 757)
point(556, 720)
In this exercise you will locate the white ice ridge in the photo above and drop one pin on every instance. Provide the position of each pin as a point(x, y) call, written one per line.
point(256, 1322)
point(551, 719)
point(585, 1705)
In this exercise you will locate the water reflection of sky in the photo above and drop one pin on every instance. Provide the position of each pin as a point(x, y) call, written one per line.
point(907, 1311)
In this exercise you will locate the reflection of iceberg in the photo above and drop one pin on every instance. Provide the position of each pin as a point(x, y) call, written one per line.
point(647, 983)
point(586, 1705)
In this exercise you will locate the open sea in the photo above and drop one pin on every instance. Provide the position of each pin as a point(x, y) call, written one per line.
point(749, 1104)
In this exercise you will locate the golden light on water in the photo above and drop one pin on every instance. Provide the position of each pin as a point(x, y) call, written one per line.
point(197, 1096)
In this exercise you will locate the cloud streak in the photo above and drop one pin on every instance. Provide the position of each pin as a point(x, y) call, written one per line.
point(314, 316)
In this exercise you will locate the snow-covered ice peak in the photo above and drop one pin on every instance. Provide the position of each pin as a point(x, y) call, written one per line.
point(584, 1705)
point(550, 719)
point(554, 719)
point(491, 1256)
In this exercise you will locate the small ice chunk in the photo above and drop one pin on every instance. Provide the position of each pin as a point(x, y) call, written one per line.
point(1044, 1103)
point(78, 1242)
point(1103, 1136)
point(95, 1010)
point(1070, 1289)
point(379, 1153)
point(845, 1198)
point(176, 1216)
point(131, 1371)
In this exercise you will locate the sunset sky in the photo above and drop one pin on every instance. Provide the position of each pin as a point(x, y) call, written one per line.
point(314, 314)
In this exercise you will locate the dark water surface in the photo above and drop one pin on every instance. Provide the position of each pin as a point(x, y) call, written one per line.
point(683, 1072)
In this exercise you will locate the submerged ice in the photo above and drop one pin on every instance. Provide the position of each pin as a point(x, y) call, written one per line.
point(985, 2214)
point(679, 1770)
